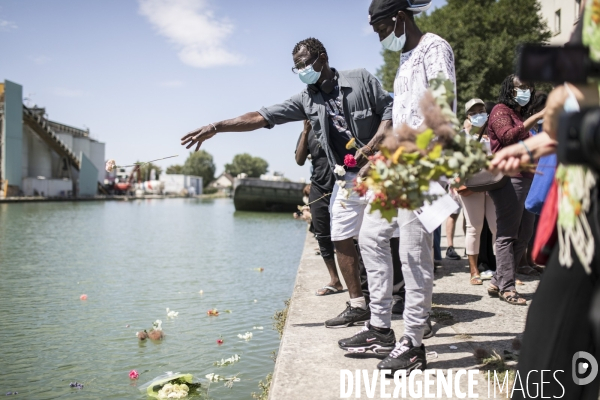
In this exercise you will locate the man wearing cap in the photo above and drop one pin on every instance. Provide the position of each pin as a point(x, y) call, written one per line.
point(423, 57)
point(340, 106)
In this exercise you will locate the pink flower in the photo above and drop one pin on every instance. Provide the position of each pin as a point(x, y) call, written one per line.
point(350, 161)
point(133, 374)
point(83, 297)
point(219, 341)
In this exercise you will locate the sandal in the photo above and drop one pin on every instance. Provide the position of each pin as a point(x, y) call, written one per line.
point(327, 290)
point(493, 291)
point(476, 280)
point(513, 297)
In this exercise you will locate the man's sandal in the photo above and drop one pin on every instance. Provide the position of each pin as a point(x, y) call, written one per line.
point(476, 280)
point(513, 297)
point(493, 291)
point(327, 290)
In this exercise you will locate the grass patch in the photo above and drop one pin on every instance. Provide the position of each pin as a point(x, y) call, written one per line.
point(280, 317)
point(441, 315)
point(464, 336)
point(494, 363)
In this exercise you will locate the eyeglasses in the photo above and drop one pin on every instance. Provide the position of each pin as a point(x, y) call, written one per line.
point(297, 69)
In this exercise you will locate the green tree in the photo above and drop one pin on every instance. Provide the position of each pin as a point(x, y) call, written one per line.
point(484, 35)
point(175, 169)
point(254, 167)
point(200, 163)
point(145, 171)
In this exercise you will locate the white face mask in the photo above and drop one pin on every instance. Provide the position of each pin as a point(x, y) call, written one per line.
point(479, 120)
point(394, 43)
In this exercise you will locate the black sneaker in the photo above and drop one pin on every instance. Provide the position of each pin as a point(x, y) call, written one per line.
point(369, 339)
point(428, 329)
point(405, 357)
point(349, 317)
point(451, 254)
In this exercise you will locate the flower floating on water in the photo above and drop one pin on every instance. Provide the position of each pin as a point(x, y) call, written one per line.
point(83, 297)
point(213, 313)
point(111, 165)
point(256, 301)
point(257, 327)
point(133, 374)
point(258, 269)
point(246, 336)
point(339, 170)
point(228, 361)
point(219, 341)
point(201, 292)
point(173, 391)
point(349, 160)
point(171, 313)
point(228, 380)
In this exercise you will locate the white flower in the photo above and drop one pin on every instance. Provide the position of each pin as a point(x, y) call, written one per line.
point(345, 193)
point(171, 313)
point(110, 165)
point(257, 327)
point(340, 170)
point(246, 336)
point(341, 184)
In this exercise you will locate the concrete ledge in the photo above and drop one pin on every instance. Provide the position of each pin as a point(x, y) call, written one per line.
point(309, 360)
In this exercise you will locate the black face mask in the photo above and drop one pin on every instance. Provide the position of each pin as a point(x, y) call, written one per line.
point(328, 85)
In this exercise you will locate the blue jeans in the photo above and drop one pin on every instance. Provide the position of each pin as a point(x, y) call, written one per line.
point(437, 240)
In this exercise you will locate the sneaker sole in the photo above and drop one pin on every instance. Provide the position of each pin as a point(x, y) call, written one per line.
point(418, 365)
point(428, 335)
point(359, 323)
point(375, 348)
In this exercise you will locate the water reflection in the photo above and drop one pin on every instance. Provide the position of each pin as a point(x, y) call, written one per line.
point(133, 260)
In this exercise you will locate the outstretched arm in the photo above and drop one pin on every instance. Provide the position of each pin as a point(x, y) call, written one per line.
point(244, 123)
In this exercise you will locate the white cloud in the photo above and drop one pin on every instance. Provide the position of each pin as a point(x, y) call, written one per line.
point(65, 92)
point(192, 27)
point(6, 25)
point(171, 84)
point(40, 60)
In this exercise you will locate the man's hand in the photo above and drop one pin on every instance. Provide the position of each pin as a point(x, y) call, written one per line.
point(364, 171)
point(362, 156)
point(198, 136)
point(510, 159)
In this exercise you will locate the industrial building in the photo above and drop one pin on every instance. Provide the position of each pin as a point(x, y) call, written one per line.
point(40, 157)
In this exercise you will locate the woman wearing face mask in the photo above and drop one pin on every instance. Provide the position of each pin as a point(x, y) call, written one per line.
point(477, 206)
point(507, 126)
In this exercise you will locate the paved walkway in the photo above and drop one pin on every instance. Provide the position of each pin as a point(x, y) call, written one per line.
point(309, 360)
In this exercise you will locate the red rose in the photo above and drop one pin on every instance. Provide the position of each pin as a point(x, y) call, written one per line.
point(350, 161)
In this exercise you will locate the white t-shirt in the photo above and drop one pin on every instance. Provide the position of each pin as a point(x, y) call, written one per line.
point(417, 67)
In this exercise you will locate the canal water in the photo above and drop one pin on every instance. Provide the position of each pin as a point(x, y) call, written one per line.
point(133, 260)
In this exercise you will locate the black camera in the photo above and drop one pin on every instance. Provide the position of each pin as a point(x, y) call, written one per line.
point(556, 64)
point(579, 138)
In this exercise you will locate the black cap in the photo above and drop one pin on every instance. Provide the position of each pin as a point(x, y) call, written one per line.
point(381, 9)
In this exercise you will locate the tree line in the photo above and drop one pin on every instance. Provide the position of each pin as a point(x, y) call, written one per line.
point(201, 163)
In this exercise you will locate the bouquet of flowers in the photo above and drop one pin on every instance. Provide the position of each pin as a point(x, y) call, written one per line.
point(170, 386)
point(410, 159)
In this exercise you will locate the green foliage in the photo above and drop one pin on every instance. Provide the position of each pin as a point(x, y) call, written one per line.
point(175, 169)
point(265, 387)
point(484, 35)
point(254, 167)
point(200, 163)
point(146, 168)
point(280, 317)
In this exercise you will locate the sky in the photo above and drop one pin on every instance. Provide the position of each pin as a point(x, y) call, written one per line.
point(140, 74)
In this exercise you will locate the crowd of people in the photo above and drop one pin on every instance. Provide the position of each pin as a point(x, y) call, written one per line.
point(388, 267)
